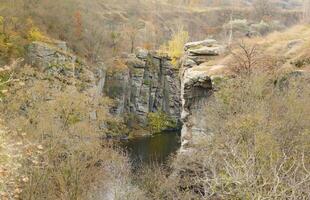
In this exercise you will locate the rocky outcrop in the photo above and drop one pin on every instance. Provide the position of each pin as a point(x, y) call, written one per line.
point(203, 43)
point(50, 56)
point(139, 83)
point(202, 51)
point(197, 84)
point(146, 83)
point(57, 60)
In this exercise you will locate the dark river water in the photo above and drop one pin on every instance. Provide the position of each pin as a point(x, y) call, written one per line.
point(157, 148)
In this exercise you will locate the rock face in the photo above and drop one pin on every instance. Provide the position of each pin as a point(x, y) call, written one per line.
point(206, 51)
point(140, 83)
point(197, 84)
point(203, 43)
point(50, 55)
point(201, 51)
point(56, 59)
point(147, 83)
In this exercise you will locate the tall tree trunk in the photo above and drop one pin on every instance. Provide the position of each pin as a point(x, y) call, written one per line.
point(306, 11)
point(230, 29)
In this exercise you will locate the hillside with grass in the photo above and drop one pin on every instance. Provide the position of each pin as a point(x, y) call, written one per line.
point(101, 29)
point(279, 51)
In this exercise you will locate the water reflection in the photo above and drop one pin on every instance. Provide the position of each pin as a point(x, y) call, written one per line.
point(156, 148)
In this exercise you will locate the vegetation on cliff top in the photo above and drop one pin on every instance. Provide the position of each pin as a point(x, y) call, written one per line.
point(175, 47)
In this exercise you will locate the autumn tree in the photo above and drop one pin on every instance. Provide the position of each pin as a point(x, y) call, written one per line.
point(174, 48)
point(131, 31)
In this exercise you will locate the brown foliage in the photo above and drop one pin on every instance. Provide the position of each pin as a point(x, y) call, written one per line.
point(256, 145)
point(63, 156)
point(260, 148)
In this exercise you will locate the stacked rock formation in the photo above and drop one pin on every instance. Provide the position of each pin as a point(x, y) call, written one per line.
point(197, 85)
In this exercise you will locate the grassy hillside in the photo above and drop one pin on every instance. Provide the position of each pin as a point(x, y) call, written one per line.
point(278, 51)
point(100, 29)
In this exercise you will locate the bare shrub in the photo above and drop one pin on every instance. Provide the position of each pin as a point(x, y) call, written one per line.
point(160, 182)
point(68, 168)
point(249, 58)
point(245, 59)
point(259, 147)
point(63, 156)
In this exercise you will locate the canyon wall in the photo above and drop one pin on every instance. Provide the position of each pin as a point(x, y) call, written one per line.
point(147, 83)
point(140, 83)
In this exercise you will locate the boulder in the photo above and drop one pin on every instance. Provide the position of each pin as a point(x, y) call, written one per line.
point(93, 115)
point(294, 43)
point(141, 53)
point(135, 62)
point(197, 84)
point(61, 45)
point(49, 55)
point(189, 62)
point(207, 51)
point(197, 59)
point(206, 43)
point(197, 53)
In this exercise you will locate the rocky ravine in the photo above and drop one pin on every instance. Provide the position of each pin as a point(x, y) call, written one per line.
point(64, 70)
point(147, 82)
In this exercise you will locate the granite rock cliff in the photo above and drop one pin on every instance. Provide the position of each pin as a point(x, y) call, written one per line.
point(148, 82)
point(198, 81)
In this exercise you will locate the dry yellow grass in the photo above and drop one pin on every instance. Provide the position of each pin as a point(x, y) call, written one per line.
point(288, 46)
point(10, 162)
point(285, 49)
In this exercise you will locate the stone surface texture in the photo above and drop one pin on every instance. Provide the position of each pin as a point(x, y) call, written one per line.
point(196, 86)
